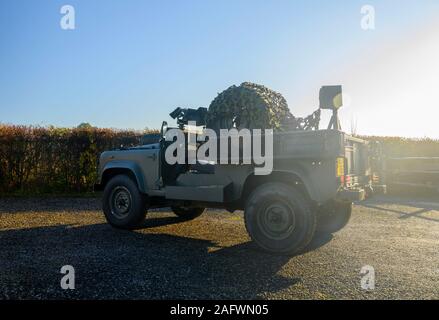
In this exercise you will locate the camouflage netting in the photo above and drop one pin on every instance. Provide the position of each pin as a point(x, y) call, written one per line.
point(248, 106)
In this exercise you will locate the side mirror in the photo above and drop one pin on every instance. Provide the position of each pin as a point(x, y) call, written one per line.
point(164, 129)
point(331, 97)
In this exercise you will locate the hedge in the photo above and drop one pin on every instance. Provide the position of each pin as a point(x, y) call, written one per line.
point(54, 160)
point(40, 160)
point(395, 147)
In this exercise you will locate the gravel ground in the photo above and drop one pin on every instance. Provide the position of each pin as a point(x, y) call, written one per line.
point(212, 257)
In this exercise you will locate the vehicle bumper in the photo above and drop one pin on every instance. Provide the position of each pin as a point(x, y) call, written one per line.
point(351, 195)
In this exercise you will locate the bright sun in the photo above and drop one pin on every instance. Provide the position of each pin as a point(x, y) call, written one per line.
point(395, 89)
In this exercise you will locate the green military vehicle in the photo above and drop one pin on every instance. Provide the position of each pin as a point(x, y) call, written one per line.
point(316, 176)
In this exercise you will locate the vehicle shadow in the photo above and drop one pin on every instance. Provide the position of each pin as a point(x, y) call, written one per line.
point(416, 208)
point(117, 264)
point(49, 204)
point(319, 240)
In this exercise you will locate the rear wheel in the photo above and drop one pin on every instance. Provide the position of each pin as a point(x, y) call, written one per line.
point(334, 217)
point(279, 219)
point(123, 204)
point(188, 213)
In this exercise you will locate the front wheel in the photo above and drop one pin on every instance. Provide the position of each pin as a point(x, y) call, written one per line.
point(279, 219)
point(123, 204)
point(188, 213)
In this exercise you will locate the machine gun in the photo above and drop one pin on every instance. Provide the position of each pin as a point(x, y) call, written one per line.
point(183, 116)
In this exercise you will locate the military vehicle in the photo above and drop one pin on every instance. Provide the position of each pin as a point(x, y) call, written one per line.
point(316, 176)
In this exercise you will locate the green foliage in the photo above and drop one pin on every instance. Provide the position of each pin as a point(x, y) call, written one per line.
point(37, 160)
point(395, 147)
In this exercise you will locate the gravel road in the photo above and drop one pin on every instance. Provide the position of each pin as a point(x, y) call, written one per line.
point(212, 256)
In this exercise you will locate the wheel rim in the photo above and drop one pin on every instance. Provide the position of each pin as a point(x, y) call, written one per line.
point(120, 202)
point(277, 220)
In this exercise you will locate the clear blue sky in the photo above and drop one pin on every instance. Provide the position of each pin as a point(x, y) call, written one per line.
point(129, 63)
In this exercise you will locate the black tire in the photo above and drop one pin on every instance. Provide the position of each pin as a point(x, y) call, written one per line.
point(188, 213)
point(334, 217)
point(279, 219)
point(123, 204)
